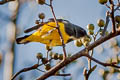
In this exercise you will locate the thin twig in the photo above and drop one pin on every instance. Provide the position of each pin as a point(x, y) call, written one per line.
point(118, 6)
point(35, 66)
point(57, 26)
point(94, 38)
point(107, 6)
point(25, 70)
point(106, 23)
point(48, 53)
point(38, 61)
point(89, 60)
point(40, 70)
point(62, 75)
point(112, 15)
point(85, 74)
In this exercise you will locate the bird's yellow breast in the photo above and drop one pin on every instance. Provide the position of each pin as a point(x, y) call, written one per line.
point(48, 34)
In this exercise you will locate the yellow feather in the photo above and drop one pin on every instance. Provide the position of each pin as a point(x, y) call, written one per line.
point(49, 35)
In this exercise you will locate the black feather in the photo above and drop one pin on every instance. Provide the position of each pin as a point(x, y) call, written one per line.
point(18, 40)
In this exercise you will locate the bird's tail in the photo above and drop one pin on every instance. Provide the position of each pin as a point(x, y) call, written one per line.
point(22, 40)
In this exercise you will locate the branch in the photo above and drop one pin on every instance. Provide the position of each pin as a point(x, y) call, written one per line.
point(58, 28)
point(118, 6)
point(112, 15)
point(107, 6)
point(35, 66)
point(106, 24)
point(87, 73)
point(80, 54)
point(101, 63)
point(91, 70)
point(25, 70)
point(5, 1)
point(62, 75)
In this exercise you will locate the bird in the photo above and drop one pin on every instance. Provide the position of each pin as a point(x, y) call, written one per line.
point(47, 33)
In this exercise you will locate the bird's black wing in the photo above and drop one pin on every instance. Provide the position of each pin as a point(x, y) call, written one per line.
point(74, 30)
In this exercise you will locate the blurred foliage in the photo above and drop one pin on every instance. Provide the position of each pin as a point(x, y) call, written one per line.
point(105, 73)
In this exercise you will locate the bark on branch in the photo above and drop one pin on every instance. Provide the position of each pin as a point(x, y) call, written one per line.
point(80, 54)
